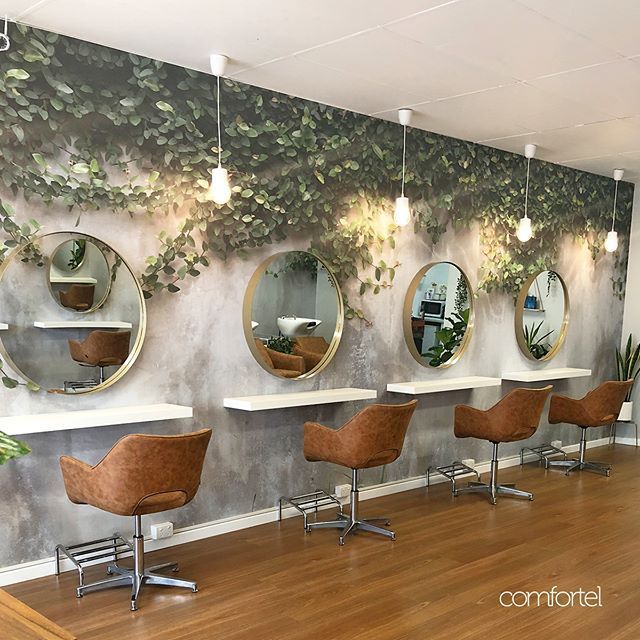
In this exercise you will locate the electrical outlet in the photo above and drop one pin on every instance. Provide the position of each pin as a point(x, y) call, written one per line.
point(557, 444)
point(343, 490)
point(161, 530)
point(470, 462)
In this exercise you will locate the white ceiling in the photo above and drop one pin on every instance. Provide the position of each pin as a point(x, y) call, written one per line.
point(563, 74)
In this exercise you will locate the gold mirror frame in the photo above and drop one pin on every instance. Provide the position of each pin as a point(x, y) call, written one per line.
point(137, 346)
point(96, 244)
point(406, 317)
point(247, 308)
point(519, 318)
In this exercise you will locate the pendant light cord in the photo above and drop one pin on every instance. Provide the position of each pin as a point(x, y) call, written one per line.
point(615, 200)
point(404, 153)
point(219, 135)
point(526, 189)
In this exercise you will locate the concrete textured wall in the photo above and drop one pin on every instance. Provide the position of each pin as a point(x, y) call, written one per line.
point(195, 354)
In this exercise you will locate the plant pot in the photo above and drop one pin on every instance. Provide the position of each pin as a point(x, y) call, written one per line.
point(626, 412)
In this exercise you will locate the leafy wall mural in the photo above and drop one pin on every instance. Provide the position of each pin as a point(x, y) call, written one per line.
point(95, 128)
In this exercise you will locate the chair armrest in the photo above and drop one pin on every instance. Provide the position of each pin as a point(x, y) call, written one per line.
point(311, 358)
point(286, 361)
point(470, 422)
point(77, 477)
point(76, 351)
point(319, 441)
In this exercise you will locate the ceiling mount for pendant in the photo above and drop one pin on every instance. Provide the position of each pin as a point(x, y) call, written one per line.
point(218, 62)
point(404, 116)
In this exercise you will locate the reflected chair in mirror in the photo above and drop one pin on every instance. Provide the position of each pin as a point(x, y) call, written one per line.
point(141, 474)
point(599, 408)
point(285, 365)
point(311, 348)
point(372, 438)
point(99, 349)
point(78, 297)
point(514, 417)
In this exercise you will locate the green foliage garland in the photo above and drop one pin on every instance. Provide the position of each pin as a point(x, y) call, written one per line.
point(95, 128)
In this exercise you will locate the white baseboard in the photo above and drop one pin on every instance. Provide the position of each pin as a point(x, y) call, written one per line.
point(46, 566)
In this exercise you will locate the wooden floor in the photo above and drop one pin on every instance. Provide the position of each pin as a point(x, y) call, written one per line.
point(442, 578)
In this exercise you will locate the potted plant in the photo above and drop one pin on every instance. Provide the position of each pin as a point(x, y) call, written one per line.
point(536, 344)
point(11, 448)
point(627, 368)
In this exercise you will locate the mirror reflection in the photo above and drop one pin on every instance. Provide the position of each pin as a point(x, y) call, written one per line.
point(438, 315)
point(293, 315)
point(48, 343)
point(542, 315)
point(79, 275)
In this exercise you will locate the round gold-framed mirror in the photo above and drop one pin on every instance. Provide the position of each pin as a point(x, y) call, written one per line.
point(80, 274)
point(438, 316)
point(48, 344)
point(542, 315)
point(293, 315)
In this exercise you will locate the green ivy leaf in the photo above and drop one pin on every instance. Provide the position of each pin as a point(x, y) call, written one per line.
point(164, 106)
point(18, 74)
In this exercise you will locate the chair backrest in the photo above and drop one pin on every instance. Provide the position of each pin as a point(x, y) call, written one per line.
point(515, 417)
point(141, 472)
point(78, 297)
point(315, 344)
point(606, 399)
point(108, 347)
point(375, 435)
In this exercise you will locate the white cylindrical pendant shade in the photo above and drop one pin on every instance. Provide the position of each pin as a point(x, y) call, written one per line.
point(220, 190)
point(611, 243)
point(402, 214)
point(524, 231)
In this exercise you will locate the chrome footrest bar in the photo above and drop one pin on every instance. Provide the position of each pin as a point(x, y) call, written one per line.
point(544, 452)
point(309, 503)
point(452, 472)
point(85, 553)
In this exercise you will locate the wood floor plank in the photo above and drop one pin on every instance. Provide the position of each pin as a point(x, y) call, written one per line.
point(441, 578)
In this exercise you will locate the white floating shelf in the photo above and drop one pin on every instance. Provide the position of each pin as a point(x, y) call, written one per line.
point(72, 280)
point(64, 421)
point(546, 374)
point(82, 324)
point(435, 386)
point(3, 326)
point(298, 399)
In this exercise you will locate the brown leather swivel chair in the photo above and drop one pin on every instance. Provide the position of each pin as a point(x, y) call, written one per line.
point(372, 438)
point(285, 365)
point(311, 348)
point(78, 297)
point(101, 349)
point(141, 474)
point(599, 408)
point(515, 417)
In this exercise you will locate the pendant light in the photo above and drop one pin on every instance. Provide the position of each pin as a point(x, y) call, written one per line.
point(611, 243)
point(220, 190)
point(524, 232)
point(402, 214)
